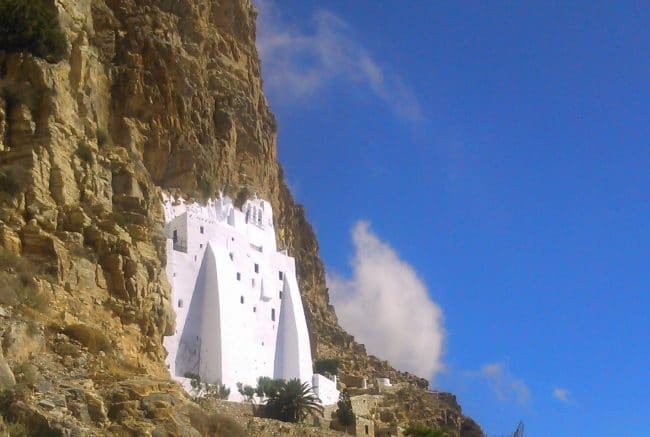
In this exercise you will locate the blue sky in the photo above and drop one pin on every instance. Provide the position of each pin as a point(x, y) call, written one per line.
point(497, 155)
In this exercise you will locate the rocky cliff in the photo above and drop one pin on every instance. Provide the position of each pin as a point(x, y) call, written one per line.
point(151, 95)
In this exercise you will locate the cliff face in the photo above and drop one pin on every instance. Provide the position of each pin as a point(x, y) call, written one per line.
point(152, 95)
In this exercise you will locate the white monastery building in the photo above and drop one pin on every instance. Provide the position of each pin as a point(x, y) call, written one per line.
point(239, 313)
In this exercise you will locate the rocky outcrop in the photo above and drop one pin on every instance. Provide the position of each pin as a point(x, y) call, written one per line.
point(152, 95)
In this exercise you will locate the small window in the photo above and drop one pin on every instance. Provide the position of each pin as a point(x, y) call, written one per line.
point(201, 246)
point(273, 314)
point(241, 299)
point(257, 268)
point(280, 294)
point(253, 282)
point(280, 275)
point(232, 256)
point(180, 303)
point(238, 276)
point(254, 309)
point(175, 236)
point(367, 430)
point(201, 229)
point(194, 257)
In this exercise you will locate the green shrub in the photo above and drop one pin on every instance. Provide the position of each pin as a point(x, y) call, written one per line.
point(420, 430)
point(344, 412)
point(67, 349)
point(31, 26)
point(205, 187)
point(327, 365)
point(119, 218)
point(267, 387)
point(246, 391)
point(85, 153)
point(16, 429)
point(27, 374)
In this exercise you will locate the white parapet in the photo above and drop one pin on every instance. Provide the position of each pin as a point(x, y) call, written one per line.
point(325, 389)
point(239, 313)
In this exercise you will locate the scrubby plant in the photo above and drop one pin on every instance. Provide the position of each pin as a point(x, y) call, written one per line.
point(85, 153)
point(217, 390)
point(293, 402)
point(27, 374)
point(201, 389)
point(420, 430)
point(327, 365)
point(17, 282)
point(119, 218)
point(102, 137)
point(94, 339)
point(32, 26)
point(205, 188)
point(16, 429)
point(246, 391)
point(267, 387)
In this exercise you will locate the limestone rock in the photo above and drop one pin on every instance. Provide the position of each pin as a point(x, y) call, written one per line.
point(7, 379)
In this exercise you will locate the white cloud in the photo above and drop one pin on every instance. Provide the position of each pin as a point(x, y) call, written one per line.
point(504, 384)
point(387, 307)
point(561, 394)
point(297, 63)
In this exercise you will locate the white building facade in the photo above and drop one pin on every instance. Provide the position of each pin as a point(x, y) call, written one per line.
point(239, 313)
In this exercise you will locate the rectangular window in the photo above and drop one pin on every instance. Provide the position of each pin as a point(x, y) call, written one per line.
point(254, 309)
point(201, 229)
point(253, 282)
point(241, 299)
point(175, 236)
point(257, 268)
point(238, 276)
point(180, 303)
point(280, 294)
point(280, 275)
point(273, 314)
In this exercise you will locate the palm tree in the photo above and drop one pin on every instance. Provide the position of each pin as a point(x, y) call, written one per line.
point(293, 402)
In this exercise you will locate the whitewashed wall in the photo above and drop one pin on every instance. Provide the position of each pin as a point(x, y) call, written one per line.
point(238, 306)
